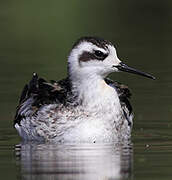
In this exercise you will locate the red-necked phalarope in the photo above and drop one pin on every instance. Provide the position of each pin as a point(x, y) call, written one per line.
point(84, 107)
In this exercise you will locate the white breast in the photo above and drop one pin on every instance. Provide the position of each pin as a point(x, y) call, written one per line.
point(98, 119)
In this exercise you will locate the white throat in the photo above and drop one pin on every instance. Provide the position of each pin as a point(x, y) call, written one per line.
point(93, 93)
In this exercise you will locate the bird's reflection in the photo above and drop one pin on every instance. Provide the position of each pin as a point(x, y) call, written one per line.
point(74, 162)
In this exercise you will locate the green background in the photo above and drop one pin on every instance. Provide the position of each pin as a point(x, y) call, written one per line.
point(36, 36)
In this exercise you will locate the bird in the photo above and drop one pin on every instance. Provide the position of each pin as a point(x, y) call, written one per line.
point(86, 106)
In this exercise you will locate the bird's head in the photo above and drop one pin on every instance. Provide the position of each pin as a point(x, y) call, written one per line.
point(96, 57)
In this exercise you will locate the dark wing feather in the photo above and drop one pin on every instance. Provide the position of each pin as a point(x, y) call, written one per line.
point(124, 95)
point(41, 92)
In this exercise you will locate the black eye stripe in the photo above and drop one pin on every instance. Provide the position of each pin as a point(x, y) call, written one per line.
point(87, 56)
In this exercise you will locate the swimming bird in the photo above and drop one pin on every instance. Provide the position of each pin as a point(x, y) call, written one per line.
point(84, 107)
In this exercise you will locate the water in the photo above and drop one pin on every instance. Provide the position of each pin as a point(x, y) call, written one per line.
point(37, 36)
point(86, 161)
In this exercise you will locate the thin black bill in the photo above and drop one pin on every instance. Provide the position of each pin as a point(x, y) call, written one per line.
point(125, 68)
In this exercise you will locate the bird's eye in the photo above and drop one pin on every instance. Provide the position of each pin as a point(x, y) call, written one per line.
point(99, 54)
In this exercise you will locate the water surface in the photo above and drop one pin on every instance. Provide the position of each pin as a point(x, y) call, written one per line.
point(84, 161)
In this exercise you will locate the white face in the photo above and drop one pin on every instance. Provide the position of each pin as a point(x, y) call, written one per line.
point(89, 58)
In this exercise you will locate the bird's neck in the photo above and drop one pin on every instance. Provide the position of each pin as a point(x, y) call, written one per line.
point(92, 91)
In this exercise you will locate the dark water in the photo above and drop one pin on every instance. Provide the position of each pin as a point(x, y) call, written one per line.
point(37, 36)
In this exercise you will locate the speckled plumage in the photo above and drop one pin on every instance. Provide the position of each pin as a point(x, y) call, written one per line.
point(84, 107)
point(47, 110)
